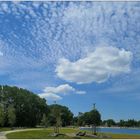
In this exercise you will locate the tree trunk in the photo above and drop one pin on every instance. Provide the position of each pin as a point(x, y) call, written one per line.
point(94, 129)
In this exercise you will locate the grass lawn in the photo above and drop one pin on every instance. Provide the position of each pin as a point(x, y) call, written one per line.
point(40, 134)
point(4, 129)
point(124, 136)
point(46, 134)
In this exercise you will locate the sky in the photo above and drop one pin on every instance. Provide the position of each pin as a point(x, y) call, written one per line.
point(74, 53)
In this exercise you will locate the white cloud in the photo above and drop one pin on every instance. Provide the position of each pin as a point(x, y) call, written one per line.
point(62, 31)
point(51, 93)
point(4, 7)
point(1, 54)
point(62, 89)
point(97, 66)
point(50, 96)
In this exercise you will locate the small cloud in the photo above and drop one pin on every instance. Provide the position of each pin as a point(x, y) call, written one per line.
point(97, 66)
point(62, 89)
point(50, 96)
point(1, 54)
point(51, 93)
point(4, 7)
point(81, 92)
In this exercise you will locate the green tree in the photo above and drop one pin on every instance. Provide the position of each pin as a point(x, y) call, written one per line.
point(11, 115)
point(44, 120)
point(29, 107)
point(80, 119)
point(95, 120)
point(58, 120)
point(2, 116)
point(138, 123)
point(56, 113)
point(65, 113)
point(110, 122)
point(75, 121)
point(131, 123)
point(122, 123)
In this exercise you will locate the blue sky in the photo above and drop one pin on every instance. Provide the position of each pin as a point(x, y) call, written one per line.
point(77, 53)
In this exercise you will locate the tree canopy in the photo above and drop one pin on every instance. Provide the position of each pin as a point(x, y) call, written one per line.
point(25, 107)
point(92, 117)
point(20, 107)
point(109, 122)
point(66, 115)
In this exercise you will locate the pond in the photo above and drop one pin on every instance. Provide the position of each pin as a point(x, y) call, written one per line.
point(115, 130)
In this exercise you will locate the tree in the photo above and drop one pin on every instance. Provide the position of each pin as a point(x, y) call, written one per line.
point(56, 113)
point(65, 113)
point(75, 121)
point(80, 119)
point(110, 122)
point(44, 120)
point(11, 115)
point(131, 123)
point(122, 123)
point(87, 118)
point(95, 120)
point(58, 120)
point(29, 107)
point(90, 118)
point(1, 115)
point(138, 123)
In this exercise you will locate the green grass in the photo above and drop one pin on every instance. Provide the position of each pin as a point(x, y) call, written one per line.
point(4, 129)
point(124, 136)
point(38, 134)
point(46, 134)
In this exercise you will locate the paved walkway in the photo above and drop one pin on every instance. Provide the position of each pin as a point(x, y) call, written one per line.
point(3, 134)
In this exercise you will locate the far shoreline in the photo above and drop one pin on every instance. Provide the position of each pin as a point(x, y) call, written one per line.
point(115, 127)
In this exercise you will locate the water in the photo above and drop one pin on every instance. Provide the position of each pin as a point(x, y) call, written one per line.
point(116, 130)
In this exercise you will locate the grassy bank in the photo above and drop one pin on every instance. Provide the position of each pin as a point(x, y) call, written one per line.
point(69, 134)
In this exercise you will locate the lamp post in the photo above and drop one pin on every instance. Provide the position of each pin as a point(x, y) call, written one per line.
point(93, 125)
point(94, 106)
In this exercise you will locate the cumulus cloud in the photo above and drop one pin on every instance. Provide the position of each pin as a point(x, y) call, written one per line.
point(51, 93)
point(97, 66)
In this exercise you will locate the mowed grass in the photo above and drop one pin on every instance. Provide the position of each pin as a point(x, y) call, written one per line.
point(40, 134)
point(46, 134)
point(5, 129)
point(124, 136)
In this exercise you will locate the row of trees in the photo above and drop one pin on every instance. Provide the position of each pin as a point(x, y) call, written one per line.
point(121, 123)
point(9, 115)
point(88, 118)
point(22, 108)
point(60, 112)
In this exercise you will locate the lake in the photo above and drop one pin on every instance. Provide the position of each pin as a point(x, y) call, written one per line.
point(116, 130)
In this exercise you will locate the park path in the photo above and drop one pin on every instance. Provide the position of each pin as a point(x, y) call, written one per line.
point(3, 134)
